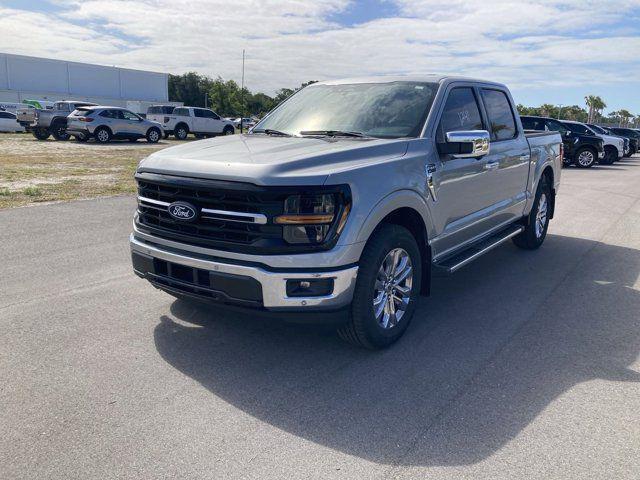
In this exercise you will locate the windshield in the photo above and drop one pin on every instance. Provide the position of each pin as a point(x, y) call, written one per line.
point(386, 110)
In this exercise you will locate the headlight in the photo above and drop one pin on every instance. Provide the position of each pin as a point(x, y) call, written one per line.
point(308, 219)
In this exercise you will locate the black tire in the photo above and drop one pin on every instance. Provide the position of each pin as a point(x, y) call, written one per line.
point(533, 236)
point(154, 135)
point(363, 328)
point(590, 157)
point(228, 130)
point(610, 155)
point(181, 131)
point(102, 135)
point(41, 133)
point(59, 131)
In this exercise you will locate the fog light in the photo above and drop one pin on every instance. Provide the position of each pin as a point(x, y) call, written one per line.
point(312, 287)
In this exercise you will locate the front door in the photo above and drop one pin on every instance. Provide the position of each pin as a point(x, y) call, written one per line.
point(461, 185)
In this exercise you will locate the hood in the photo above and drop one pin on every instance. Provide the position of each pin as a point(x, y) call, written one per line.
point(271, 160)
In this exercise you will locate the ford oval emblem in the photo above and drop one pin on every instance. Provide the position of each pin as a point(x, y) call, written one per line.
point(182, 211)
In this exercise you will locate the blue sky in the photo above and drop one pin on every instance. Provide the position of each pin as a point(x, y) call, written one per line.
point(549, 51)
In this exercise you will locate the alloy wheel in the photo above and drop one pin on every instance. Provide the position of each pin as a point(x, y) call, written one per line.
point(541, 215)
point(392, 289)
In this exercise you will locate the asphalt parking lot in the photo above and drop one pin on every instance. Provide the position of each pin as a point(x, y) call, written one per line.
point(522, 365)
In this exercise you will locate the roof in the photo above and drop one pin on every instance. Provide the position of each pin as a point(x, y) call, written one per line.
point(427, 78)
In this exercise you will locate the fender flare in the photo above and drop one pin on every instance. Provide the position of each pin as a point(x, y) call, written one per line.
point(391, 202)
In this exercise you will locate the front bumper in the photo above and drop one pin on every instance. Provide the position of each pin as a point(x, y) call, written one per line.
point(272, 283)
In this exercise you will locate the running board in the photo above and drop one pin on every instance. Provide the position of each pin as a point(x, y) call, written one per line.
point(459, 260)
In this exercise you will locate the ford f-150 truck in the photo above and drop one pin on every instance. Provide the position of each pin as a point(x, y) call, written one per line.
point(43, 122)
point(345, 199)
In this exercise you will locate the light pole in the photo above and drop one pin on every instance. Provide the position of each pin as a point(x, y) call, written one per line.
point(559, 111)
point(242, 94)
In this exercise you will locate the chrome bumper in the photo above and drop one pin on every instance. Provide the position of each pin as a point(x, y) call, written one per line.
point(274, 292)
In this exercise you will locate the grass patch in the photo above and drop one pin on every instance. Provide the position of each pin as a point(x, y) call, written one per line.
point(32, 191)
point(33, 171)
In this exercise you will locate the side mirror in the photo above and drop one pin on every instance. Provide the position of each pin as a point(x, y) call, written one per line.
point(467, 144)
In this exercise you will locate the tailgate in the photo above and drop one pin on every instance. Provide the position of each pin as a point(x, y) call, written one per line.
point(26, 115)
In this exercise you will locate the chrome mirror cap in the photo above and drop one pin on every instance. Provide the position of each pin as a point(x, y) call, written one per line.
point(479, 140)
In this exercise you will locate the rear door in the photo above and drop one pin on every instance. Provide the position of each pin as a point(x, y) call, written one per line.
point(508, 159)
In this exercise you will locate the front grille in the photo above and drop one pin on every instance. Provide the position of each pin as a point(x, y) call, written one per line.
point(226, 231)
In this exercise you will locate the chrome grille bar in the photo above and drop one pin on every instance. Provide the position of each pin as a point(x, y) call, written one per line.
point(241, 217)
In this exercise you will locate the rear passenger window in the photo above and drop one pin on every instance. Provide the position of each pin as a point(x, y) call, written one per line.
point(461, 112)
point(109, 114)
point(503, 125)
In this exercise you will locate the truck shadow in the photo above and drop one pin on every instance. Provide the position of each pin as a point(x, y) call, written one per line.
point(491, 348)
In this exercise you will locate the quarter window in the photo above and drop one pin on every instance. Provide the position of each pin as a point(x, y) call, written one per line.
point(461, 112)
point(503, 125)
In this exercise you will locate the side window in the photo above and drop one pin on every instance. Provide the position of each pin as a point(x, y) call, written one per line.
point(554, 126)
point(199, 113)
point(130, 115)
point(6, 115)
point(530, 124)
point(211, 114)
point(503, 125)
point(461, 112)
point(108, 114)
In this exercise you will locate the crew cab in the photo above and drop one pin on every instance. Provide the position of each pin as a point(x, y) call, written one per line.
point(582, 150)
point(46, 122)
point(613, 146)
point(202, 122)
point(341, 203)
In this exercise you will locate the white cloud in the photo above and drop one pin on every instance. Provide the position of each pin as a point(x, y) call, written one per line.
point(547, 43)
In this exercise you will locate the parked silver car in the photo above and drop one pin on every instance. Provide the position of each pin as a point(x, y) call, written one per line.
point(106, 123)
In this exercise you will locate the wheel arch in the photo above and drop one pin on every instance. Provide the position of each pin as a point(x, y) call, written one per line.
point(409, 210)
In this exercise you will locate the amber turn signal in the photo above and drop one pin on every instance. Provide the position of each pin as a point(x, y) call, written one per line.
point(303, 219)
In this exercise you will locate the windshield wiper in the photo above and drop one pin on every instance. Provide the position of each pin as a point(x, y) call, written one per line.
point(270, 131)
point(334, 133)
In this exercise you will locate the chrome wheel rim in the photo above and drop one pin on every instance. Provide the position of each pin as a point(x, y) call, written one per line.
point(154, 136)
point(541, 215)
point(392, 290)
point(585, 158)
point(182, 133)
point(103, 136)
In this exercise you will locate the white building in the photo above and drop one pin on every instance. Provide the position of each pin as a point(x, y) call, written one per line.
point(34, 78)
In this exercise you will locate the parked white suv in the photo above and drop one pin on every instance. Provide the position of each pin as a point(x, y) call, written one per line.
point(613, 146)
point(202, 122)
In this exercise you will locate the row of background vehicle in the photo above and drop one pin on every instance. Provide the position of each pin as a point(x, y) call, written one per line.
point(84, 120)
point(586, 145)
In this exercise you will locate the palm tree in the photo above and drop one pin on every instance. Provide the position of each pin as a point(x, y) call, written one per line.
point(590, 100)
point(625, 117)
point(598, 106)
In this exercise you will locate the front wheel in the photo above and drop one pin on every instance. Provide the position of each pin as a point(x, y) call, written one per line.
point(153, 135)
point(228, 130)
point(102, 135)
point(387, 289)
point(535, 231)
point(610, 156)
point(586, 158)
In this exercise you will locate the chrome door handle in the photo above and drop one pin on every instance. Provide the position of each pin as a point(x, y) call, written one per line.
point(491, 165)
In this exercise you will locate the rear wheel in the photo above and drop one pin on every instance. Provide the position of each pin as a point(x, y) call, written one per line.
point(538, 221)
point(387, 289)
point(228, 130)
point(41, 133)
point(586, 157)
point(102, 135)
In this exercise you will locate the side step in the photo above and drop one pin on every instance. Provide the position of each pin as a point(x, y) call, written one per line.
point(475, 250)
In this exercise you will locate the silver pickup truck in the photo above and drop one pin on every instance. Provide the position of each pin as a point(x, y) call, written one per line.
point(345, 199)
point(43, 123)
